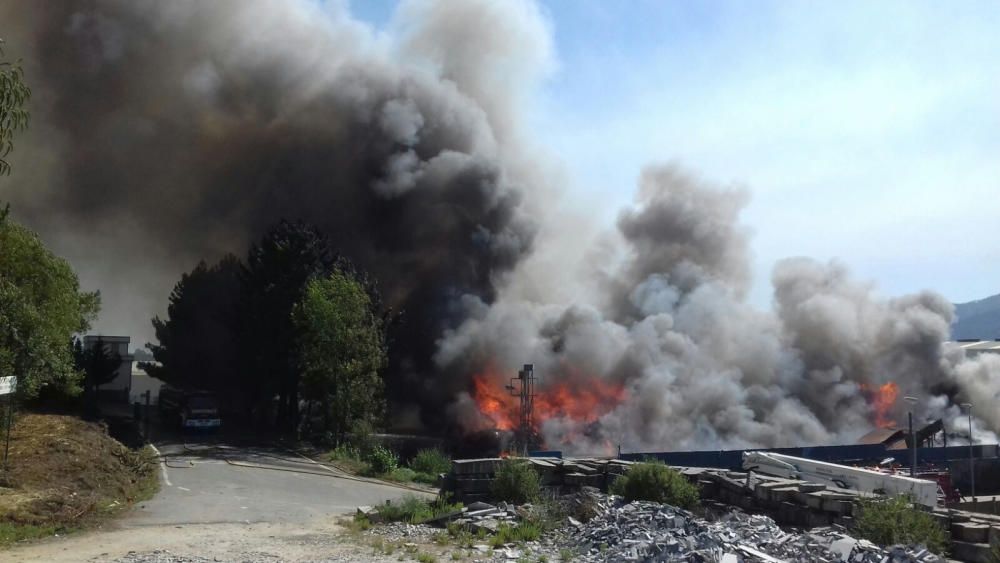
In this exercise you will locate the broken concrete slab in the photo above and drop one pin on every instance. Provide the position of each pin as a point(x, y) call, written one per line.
point(971, 532)
point(475, 466)
point(488, 525)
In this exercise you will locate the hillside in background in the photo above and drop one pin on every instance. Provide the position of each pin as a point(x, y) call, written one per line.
point(977, 319)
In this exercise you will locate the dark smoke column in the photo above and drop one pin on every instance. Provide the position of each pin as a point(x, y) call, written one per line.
point(167, 132)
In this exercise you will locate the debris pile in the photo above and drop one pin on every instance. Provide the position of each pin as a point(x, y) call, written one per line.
point(789, 502)
point(645, 531)
point(598, 527)
point(483, 516)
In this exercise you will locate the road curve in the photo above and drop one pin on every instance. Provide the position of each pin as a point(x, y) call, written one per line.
point(215, 496)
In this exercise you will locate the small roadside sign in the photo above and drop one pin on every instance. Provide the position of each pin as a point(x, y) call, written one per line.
point(7, 386)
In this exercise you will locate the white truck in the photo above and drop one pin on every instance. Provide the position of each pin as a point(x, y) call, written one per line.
point(190, 410)
point(837, 476)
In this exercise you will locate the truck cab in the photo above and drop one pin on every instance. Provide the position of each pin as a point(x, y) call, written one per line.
point(189, 409)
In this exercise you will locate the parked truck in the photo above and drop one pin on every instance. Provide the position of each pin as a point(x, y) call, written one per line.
point(189, 409)
point(838, 476)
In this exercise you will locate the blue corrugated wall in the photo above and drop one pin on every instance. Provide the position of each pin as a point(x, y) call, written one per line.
point(848, 455)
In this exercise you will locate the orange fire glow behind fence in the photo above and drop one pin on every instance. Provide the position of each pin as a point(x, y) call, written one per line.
point(882, 400)
point(495, 401)
point(576, 397)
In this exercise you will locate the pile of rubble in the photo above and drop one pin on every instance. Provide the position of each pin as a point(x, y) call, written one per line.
point(608, 529)
point(473, 518)
point(483, 516)
point(599, 527)
point(645, 531)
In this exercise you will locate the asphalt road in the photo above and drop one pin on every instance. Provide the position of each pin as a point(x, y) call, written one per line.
point(210, 482)
point(229, 501)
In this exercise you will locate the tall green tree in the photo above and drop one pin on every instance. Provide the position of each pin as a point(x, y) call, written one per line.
point(277, 270)
point(41, 305)
point(41, 308)
point(14, 94)
point(98, 366)
point(197, 341)
point(341, 350)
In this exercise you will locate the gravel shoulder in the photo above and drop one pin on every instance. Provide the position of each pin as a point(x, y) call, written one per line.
point(320, 540)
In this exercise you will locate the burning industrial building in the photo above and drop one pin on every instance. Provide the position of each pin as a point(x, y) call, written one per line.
point(180, 130)
point(692, 364)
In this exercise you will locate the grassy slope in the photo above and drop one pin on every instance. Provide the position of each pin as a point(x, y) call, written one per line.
point(67, 474)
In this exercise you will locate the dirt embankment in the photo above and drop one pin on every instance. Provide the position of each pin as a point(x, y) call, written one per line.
point(65, 473)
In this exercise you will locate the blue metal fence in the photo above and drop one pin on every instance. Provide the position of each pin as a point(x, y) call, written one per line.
point(848, 455)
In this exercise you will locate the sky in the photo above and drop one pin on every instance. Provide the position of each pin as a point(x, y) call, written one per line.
point(866, 132)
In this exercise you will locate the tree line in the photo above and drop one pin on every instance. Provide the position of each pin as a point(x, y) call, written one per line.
point(42, 307)
point(294, 337)
point(293, 325)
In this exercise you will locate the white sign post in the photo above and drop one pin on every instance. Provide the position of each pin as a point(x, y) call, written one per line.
point(7, 387)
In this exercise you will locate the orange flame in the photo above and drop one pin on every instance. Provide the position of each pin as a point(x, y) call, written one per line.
point(882, 400)
point(575, 397)
point(583, 401)
point(495, 402)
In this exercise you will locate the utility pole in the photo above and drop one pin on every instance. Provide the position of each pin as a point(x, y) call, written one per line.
point(523, 386)
point(8, 386)
point(972, 465)
point(913, 437)
point(145, 418)
point(10, 422)
point(913, 448)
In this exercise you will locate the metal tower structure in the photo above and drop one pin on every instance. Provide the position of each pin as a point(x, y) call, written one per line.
point(523, 386)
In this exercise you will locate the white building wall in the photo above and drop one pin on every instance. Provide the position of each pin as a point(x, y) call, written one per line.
point(115, 344)
point(142, 382)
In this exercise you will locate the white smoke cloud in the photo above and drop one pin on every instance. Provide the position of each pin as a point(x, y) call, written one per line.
point(704, 369)
point(167, 132)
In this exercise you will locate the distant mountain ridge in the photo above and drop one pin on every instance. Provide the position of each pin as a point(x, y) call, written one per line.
point(977, 319)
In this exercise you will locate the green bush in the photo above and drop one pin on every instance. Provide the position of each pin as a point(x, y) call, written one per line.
point(431, 461)
point(382, 460)
point(426, 478)
point(345, 452)
point(523, 532)
point(401, 474)
point(406, 475)
point(348, 458)
point(889, 521)
point(516, 482)
point(360, 523)
point(416, 510)
point(656, 482)
point(408, 509)
point(362, 436)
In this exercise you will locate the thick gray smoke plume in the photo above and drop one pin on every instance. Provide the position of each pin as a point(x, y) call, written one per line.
point(168, 132)
point(700, 368)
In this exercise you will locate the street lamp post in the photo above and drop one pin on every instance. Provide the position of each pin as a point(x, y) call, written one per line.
point(913, 437)
point(972, 467)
